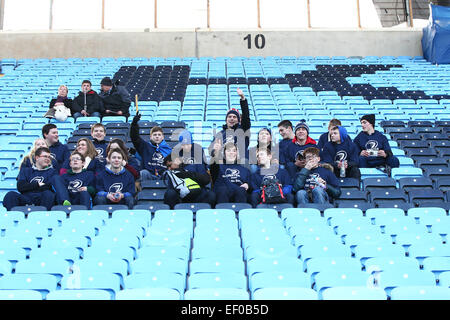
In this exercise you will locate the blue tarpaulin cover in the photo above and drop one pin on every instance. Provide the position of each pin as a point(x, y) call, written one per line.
point(436, 36)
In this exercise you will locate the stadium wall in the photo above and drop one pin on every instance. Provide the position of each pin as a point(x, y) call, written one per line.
point(214, 43)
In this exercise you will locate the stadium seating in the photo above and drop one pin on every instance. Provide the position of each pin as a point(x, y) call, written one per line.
point(386, 237)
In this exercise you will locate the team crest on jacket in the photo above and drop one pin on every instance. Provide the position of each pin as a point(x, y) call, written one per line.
point(38, 179)
point(340, 156)
point(116, 187)
point(232, 174)
point(371, 145)
point(75, 185)
point(157, 158)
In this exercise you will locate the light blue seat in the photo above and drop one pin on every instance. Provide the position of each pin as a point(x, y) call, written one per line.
point(92, 280)
point(288, 293)
point(390, 279)
point(182, 239)
point(216, 294)
point(425, 250)
point(408, 239)
point(405, 172)
point(279, 279)
point(148, 294)
point(322, 264)
point(427, 213)
point(82, 294)
point(55, 266)
point(89, 214)
point(374, 213)
point(364, 251)
point(154, 265)
point(101, 265)
point(161, 252)
point(38, 281)
point(141, 217)
point(271, 251)
point(217, 280)
point(168, 280)
point(20, 294)
point(218, 265)
point(387, 263)
point(353, 293)
point(347, 212)
point(211, 251)
point(341, 278)
point(282, 264)
point(420, 293)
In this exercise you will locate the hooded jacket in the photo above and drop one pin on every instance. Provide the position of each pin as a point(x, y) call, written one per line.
point(377, 140)
point(29, 178)
point(306, 179)
point(75, 181)
point(152, 156)
point(110, 182)
point(229, 134)
point(294, 150)
point(333, 153)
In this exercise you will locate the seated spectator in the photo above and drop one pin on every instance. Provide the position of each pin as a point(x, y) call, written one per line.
point(130, 162)
point(286, 131)
point(230, 179)
point(115, 184)
point(87, 103)
point(192, 154)
point(78, 183)
point(59, 151)
point(264, 142)
point(28, 161)
point(315, 183)
point(374, 147)
point(98, 134)
point(264, 174)
point(115, 99)
point(342, 154)
point(294, 152)
point(91, 163)
point(34, 183)
point(61, 106)
point(184, 185)
point(152, 153)
point(325, 137)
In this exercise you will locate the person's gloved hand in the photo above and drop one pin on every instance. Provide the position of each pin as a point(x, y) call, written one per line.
point(136, 118)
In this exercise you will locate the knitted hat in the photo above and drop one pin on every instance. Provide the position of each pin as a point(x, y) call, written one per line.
point(302, 124)
point(235, 112)
point(106, 81)
point(185, 137)
point(370, 118)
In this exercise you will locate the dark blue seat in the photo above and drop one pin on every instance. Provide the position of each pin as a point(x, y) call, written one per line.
point(388, 195)
point(419, 196)
point(234, 206)
point(370, 184)
point(408, 184)
point(152, 206)
point(194, 207)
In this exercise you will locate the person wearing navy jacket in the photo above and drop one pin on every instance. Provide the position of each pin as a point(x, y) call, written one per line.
point(152, 153)
point(59, 151)
point(341, 152)
point(98, 134)
point(266, 170)
point(286, 131)
point(374, 148)
point(235, 129)
point(78, 182)
point(91, 163)
point(115, 184)
point(35, 184)
point(325, 137)
point(315, 183)
point(293, 155)
point(192, 154)
point(130, 163)
point(230, 179)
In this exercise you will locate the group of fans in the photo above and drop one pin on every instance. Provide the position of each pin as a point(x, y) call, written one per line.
point(295, 170)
